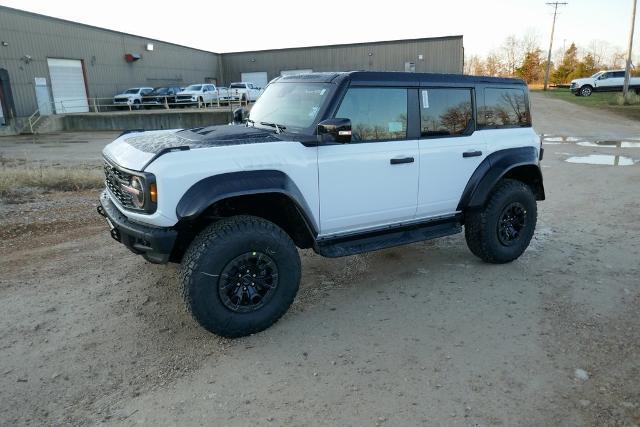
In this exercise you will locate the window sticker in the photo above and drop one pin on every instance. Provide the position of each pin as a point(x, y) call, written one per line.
point(395, 126)
point(425, 99)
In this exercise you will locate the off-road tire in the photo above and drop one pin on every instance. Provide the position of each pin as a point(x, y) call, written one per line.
point(213, 249)
point(481, 227)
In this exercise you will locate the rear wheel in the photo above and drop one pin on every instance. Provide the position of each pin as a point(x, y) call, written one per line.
point(502, 230)
point(240, 275)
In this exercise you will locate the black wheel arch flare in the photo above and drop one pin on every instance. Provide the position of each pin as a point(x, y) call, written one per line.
point(495, 167)
point(210, 190)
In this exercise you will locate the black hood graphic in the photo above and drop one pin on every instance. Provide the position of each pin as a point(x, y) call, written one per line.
point(211, 136)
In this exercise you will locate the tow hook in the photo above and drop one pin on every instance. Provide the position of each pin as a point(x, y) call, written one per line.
point(100, 210)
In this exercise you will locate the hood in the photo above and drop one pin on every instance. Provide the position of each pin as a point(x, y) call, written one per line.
point(137, 149)
point(582, 80)
point(189, 92)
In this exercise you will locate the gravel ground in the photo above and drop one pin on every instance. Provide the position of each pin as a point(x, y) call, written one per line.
point(422, 334)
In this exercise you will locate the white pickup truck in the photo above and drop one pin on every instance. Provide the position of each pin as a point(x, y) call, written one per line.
point(603, 81)
point(201, 94)
point(244, 91)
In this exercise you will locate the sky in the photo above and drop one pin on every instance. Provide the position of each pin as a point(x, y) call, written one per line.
point(253, 25)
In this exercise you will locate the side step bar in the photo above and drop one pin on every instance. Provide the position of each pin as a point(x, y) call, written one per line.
point(382, 239)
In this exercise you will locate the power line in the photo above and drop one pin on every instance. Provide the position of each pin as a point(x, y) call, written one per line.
point(627, 69)
point(555, 5)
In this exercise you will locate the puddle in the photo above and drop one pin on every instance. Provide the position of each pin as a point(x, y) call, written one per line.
point(560, 139)
point(602, 159)
point(610, 144)
point(585, 142)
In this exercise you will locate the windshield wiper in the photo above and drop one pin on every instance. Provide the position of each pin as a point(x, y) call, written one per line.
point(251, 122)
point(279, 128)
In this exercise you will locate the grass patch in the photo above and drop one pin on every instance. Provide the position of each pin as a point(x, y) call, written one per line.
point(610, 101)
point(14, 178)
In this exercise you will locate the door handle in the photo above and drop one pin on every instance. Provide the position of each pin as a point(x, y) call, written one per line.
point(471, 154)
point(399, 161)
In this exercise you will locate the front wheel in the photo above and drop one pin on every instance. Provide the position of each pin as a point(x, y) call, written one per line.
point(240, 275)
point(502, 230)
point(586, 91)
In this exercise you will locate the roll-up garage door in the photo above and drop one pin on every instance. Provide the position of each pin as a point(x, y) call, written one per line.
point(67, 85)
point(258, 79)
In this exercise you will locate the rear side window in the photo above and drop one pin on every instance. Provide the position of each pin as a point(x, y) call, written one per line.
point(505, 108)
point(445, 112)
point(377, 114)
point(618, 74)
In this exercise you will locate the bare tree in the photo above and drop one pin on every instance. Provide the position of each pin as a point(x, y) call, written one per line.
point(511, 54)
point(474, 66)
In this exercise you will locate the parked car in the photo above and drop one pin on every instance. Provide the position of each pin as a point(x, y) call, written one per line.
point(131, 97)
point(343, 163)
point(160, 95)
point(244, 91)
point(603, 81)
point(202, 93)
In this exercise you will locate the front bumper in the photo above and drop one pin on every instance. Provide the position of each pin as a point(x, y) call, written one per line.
point(574, 89)
point(153, 243)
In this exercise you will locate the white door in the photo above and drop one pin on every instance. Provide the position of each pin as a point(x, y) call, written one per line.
point(258, 79)
point(42, 96)
point(449, 152)
point(294, 72)
point(373, 180)
point(68, 86)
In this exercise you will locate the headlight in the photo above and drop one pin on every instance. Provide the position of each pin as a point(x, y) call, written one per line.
point(136, 189)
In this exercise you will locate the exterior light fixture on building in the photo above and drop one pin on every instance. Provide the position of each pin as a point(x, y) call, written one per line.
point(132, 57)
point(4, 43)
point(150, 47)
point(420, 57)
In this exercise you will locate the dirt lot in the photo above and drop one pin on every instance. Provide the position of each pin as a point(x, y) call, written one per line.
point(423, 334)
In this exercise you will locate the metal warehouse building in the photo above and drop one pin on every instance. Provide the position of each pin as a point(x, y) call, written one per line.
point(59, 66)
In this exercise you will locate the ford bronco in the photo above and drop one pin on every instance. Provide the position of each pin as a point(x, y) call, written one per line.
point(343, 163)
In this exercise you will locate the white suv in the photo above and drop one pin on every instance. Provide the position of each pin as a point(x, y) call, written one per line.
point(203, 93)
point(342, 163)
point(132, 97)
point(603, 81)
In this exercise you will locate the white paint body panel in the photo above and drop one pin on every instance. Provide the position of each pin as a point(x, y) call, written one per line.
point(444, 173)
point(347, 187)
point(360, 189)
point(176, 172)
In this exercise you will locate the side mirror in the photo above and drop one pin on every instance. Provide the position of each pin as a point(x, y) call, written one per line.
point(239, 116)
point(335, 130)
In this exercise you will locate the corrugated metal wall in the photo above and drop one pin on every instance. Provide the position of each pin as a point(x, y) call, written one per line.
point(439, 55)
point(102, 52)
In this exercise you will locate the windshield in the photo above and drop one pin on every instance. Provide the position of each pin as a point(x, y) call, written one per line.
point(194, 87)
point(237, 86)
point(132, 90)
point(160, 91)
point(292, 105)
point(596, 75)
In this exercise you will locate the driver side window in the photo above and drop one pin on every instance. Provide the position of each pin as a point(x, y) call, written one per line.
point(376, 114)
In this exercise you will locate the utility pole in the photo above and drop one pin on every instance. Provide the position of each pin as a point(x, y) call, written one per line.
point(555, 5)
point(627, 70)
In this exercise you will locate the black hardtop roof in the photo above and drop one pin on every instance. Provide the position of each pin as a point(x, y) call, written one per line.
point(397, 78)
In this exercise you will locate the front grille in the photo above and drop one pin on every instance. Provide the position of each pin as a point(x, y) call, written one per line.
point(114, 179)
point(184, 97)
